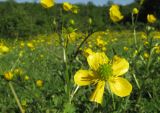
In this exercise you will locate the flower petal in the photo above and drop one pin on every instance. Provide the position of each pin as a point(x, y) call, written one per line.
point(97, 95)
point(84, 77)
point(96, 59)
point(47, 3)
point(120, 66)
point(120, 86)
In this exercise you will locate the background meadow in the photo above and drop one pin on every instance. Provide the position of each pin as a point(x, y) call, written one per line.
point(34, 42)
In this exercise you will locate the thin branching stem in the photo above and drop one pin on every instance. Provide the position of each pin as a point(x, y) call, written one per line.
point(16, 97)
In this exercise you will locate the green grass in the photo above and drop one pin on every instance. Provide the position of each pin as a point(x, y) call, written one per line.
point(45, 62)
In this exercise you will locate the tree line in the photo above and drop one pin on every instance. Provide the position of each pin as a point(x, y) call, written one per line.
point(30, 19)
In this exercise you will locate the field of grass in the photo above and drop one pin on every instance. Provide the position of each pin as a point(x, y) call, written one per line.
point(40, 83)
point(70, 71)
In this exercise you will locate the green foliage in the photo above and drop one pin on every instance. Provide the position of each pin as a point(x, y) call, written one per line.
point(31, 19)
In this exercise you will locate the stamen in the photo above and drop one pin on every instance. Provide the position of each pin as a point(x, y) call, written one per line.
point(105, 71)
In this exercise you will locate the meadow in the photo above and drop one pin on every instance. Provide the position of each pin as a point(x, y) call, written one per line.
point(58, 72)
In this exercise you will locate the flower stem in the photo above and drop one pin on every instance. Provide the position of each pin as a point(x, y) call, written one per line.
point(16, 97)
point(114, 106)
point(135, 78)
point(134, 30)
point(73, 93)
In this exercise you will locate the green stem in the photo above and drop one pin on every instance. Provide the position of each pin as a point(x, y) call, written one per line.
point(134, 30)
point(135, 78)
point(125, 105)
point(78, 48)
point(73, 93)
point(16, 97)
point(64, 49)
point(114, 106)
point(17, 61)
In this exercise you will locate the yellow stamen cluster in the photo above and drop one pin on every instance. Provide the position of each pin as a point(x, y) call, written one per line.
point(105, 71)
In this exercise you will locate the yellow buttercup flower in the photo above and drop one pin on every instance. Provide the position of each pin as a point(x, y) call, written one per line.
point(104, 48)
point(115, 14)
point(67, 6)
point(4, 49)
point(146, 43)
point(151, 18)
point(104, 72)
point(146, 55)
point(100, 42)
point(30, 45)
point(156, 37)
point(39, 83)
point(157, 49)
point(72, 36)
point(135, 11)
point(8, 76)
point(144, 36)
point(26, 77)
point(18, 71)
point(47, 3)
point(87, 52)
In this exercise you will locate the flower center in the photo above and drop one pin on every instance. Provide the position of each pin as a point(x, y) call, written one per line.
point(104, 71)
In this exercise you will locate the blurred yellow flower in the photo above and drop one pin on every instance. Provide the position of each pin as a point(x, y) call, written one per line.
point(39, 83)
point(100, 42)
point(125, 48)
point(157, 49)
point(47, 3)
point(87, 52)
point(18, 71)
point(41, 56)
point(26, 77)
point(21, 53)
point(3, 49)
point(135, 11)
point(144, 36)
point(135, 53)
point(146, 55)
point(104, 48)
point(156, 37)
point(151, 18)
point(146, 43)
point(104, 73)
point(72, 36)
point(115, 14)
point(24, 102)
point(30, 45)
point(67, 6)
point(8, 76)
point(22, 44)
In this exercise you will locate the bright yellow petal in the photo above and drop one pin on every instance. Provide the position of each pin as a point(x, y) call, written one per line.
point(120, 66)
point(97, 95)
point(96, 59)
point(120, 86)
point(84, 77)
point(115, 13)
point(47, 3)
